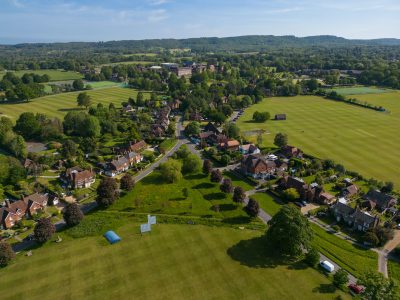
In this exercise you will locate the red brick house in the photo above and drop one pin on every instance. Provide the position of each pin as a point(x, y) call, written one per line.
point(35, 203)
point(255, 166)
point(137, 146)
point(78, 178)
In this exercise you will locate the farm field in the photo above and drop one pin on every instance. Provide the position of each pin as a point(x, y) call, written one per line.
point(363, 140)
point(55, 75)
point(60, 104)
point(171, 262)
point(359, 90)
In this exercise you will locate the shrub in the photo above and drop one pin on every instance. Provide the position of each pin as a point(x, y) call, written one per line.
point(340, 278)
point(72, 214)
point(216, 176)
point(226, 186)
point(44, 230)
point(6, 254)
point(238, 194)
point(252, 208)
point(127, 182)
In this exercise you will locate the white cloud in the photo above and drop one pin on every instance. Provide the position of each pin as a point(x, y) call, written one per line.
point(158, 2)
point(157, 15)
point(17, 3)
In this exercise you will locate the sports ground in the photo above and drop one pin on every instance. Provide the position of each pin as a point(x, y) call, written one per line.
point(361, 139)
point(171, 262)
point(60, 104)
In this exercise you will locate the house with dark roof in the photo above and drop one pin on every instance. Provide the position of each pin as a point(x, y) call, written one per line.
point(117, 166)
point(306, 192)
point(212, 127)
point(249, 149)
point(382, 201)
point(354, 217)
point(291, 152)
point(257, 167)
point(216, 139)
point(78, 178)
point(350, 191)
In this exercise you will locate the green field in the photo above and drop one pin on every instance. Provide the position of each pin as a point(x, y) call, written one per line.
point(102, 84)
point(55, 75)
point(362, 139)
point(171, 262)
point(153, 194)
point(268, 203)
point(352, 258)
point(394, 270)
point(58, 105)
point(359, 90)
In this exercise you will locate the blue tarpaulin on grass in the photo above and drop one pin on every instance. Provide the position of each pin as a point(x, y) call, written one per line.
point(112, 237)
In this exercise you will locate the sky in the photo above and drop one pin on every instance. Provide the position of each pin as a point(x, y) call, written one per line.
point(104, 20)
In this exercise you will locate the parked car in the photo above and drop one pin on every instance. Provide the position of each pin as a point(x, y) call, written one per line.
point(357, 289)
point(327, 266)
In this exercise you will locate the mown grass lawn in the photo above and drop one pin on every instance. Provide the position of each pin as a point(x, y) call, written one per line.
point(394, 270)
point(171, 262)
point(358, 90)
point(352, 258)
point(268, 203)
point(361, 139)
point(60, 104)
point(154, 195)
point(55, 75)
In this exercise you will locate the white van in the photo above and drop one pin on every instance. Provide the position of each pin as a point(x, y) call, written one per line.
point(327, 266)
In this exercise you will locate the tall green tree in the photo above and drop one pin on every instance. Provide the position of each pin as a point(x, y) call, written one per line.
point(84, 99)
point(289, 232)
point(171, 170)
point(377, 287)
point(281, 140)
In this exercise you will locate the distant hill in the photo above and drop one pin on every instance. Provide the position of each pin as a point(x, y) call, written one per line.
point(238, 43)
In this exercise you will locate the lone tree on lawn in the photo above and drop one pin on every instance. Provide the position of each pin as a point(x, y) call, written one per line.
point(377, 287)
point(281, 140)
point(127, 182)
point(171, 170)
point(238, 194)
point(191, 164)
point(207, 166)
point(84, 99)
point(72, 214)
point(44, 230)
point(107, 192)
point(340, 278)
point(226, 186)
point(252, 208)
point(289, 232)
point(216, 175)
point(6, 254)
